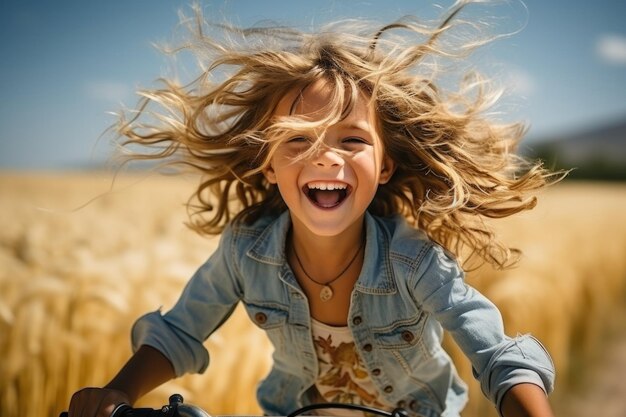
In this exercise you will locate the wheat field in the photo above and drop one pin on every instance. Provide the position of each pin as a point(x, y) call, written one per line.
point(79, 263)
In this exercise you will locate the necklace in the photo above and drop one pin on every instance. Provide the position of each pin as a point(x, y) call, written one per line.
point(326, 293)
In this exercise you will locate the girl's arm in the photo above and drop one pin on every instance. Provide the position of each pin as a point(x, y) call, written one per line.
point(507, 368)
point(526, 400)
point(145, 370)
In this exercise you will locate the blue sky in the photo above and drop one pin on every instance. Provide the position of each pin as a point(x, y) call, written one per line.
point(66, 64)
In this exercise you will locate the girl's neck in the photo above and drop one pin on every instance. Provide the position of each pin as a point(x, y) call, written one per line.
point(324, 254)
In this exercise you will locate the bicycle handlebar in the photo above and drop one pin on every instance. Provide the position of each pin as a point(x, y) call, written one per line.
point(176, 408)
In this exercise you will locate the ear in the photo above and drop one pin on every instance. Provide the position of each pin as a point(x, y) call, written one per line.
point(270, 174)
point(388, 167)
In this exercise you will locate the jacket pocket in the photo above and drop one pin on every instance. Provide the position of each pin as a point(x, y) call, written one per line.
point(401, 334)
point(402, 348)
point(267, 316)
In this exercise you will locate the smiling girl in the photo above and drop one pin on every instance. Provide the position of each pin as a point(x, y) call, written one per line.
point(347, 188)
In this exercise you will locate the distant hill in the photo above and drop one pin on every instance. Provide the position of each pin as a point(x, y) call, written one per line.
point(598, 153)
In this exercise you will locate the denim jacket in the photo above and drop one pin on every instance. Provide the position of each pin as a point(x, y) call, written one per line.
point(408, 291)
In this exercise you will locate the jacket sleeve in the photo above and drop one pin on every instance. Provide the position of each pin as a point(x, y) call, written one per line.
point(498, 361)
point(208, 299)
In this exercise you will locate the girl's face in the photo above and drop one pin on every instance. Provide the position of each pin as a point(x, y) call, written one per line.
point(328, 192)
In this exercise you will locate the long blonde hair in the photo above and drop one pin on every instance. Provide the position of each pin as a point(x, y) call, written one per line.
point(455, 167)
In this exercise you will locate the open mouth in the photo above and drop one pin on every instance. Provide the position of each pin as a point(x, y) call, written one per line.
point(325, 194)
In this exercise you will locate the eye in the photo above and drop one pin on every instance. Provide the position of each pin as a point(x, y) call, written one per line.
point(355, 140)
point(298, 139)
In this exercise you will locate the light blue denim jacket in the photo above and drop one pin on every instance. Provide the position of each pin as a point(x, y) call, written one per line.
point(408, 290)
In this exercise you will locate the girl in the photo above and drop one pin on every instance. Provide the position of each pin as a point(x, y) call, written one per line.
point(347, 188)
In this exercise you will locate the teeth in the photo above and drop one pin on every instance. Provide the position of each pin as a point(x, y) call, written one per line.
point(322, 185)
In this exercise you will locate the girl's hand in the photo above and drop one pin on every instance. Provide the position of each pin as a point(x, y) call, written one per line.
point(144, 371)
point(96, 402)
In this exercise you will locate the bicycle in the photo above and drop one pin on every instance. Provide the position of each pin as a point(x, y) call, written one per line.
point(177, 408)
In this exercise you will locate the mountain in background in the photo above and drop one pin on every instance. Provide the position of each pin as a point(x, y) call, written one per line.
point(597, 153)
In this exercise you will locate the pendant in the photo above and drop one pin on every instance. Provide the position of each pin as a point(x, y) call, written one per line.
point(326, 293)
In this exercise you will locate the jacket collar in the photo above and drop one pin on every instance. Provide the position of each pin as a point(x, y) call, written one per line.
point(377, 273)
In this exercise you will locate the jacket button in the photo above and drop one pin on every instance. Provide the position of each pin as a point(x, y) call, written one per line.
point(407, 336)
point(413, 405)
point(376, 372)
point(357, 320)
point(388, 389)
point(401, 404)
point(260, 318)
point(367, 347)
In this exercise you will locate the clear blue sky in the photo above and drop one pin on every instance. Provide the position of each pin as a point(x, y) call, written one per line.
point(66, 63)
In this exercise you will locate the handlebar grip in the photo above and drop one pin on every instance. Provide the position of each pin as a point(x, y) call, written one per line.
point(175, 405)
point(119, 411)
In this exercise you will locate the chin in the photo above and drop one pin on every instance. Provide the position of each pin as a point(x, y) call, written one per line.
point(330, 229)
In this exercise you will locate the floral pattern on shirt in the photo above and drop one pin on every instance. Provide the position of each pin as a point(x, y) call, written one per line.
point(343, 378)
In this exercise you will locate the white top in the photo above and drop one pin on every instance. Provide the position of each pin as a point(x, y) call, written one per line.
point(342, 377)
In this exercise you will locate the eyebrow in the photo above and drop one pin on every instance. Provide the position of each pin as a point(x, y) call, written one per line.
point(364, 126)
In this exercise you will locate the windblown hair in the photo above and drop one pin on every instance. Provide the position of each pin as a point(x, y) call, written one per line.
point(455, 167)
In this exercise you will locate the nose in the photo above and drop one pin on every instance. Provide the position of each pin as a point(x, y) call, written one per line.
point(327, 157)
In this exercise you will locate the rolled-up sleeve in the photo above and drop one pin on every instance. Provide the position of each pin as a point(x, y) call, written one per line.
point(208, 299)
point(498, 361)
point(522, 359)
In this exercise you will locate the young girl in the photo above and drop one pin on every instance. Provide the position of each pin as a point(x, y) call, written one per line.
point(346, 187)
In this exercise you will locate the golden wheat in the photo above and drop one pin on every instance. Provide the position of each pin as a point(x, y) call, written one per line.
point(73, 281)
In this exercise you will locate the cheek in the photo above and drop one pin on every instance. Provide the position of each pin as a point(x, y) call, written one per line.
point(281, 161)
point(286, 173)
point(368, 165)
